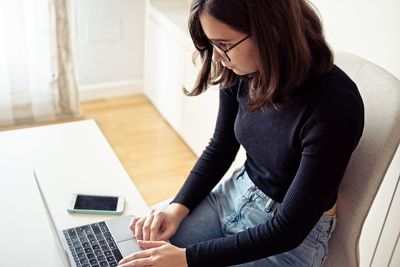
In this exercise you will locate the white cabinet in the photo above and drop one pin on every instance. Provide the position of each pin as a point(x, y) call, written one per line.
point(163, 71)
point(199, 112)
point(198, 119)
point(168, 69)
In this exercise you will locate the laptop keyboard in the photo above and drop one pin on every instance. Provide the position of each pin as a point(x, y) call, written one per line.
point(93, 246)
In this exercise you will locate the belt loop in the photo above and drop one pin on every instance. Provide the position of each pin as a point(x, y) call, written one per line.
point(270, 205)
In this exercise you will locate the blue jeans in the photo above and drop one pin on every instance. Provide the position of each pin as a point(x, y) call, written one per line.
point(235, 205)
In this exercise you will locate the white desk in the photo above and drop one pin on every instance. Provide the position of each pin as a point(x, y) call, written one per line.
point(68, 158)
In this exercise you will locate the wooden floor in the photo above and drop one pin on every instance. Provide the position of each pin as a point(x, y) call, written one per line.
point(155, 157)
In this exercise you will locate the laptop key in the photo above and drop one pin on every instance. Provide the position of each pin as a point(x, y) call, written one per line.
point(117, 254)
point(71, 232)
point(81, 255)
point(96, 228)
point(90, 236)
point(93, 262)
point(98, 253)
point(107, 234)
point(110, 259)
point(82, 261)
point(107, 253)
point(113, 264)
point(88, 231)
point(103, 264)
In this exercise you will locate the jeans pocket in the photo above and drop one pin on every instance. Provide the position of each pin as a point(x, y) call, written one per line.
point(233, 224)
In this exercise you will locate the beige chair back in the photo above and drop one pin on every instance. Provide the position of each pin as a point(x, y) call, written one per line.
point(368, 165)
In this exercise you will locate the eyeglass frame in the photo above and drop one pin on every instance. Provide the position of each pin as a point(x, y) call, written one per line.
point(224, 53)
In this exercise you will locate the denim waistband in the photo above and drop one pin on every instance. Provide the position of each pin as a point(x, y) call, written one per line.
point(271, 205)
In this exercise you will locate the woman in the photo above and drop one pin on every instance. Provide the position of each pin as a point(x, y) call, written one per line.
point(299, 118)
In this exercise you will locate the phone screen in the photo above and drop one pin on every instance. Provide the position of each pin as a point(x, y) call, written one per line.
point(96, 203)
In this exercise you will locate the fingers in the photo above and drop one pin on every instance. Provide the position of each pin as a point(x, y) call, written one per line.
point(136, 256)
point(142, 258)
point(138, 228)
point(151, 244)
point(155, 226)
point(167, 233)
point(145, 228)
point(147, 225)
point(133, 223)
point(145, 262)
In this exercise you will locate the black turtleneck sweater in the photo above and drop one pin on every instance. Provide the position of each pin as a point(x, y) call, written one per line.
point(296, 154)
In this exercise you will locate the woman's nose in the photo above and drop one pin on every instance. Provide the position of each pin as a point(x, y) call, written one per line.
point(216, 57)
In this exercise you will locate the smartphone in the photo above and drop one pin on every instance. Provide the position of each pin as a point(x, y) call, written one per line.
point(96, 204)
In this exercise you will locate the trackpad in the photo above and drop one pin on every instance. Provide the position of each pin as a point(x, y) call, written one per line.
point(119, 228)
point(128, 247)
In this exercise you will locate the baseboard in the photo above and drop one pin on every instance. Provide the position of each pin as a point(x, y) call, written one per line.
point(109, 90)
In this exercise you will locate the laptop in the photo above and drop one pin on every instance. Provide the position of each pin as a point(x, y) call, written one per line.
point(100, 244)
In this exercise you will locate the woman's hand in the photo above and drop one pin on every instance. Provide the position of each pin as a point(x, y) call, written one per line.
point(157, 254)
point(159, 225)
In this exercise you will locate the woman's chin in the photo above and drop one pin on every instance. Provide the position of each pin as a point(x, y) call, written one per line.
point(239, 72)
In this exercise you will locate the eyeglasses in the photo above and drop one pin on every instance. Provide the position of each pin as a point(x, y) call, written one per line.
point(223, 51)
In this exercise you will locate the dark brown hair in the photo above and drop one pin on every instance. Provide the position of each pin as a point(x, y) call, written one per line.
point(289, 38)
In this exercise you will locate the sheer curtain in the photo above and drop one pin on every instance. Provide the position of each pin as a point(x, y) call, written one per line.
point(37, 80)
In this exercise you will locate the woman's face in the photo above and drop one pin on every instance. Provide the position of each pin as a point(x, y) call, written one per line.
point(244, 57)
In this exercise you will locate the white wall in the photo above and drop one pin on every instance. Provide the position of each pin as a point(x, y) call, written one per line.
point(367, 28)
point(109, 40)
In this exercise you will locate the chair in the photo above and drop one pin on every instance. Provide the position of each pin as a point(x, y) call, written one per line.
point(369, 163)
